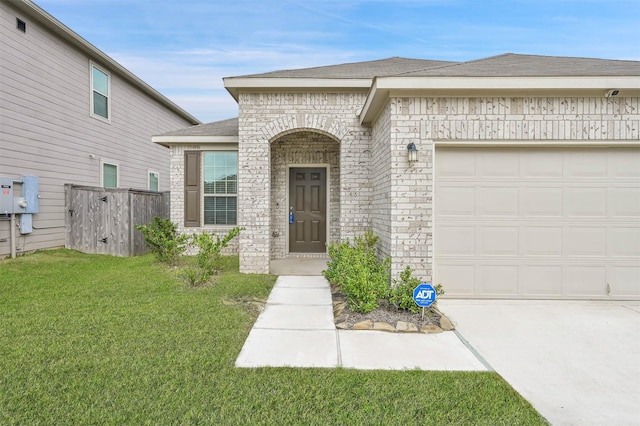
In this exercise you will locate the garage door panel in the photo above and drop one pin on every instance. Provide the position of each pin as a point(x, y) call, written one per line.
point(541, 281)
point(456, 240)
point(497, 201)
point(460, 165)
point(624, 242)
point(585, 281)
point(585, 163)
point(624, 163)
point(541, 241)
point(540, 164)
point(624, 202)
point(455, 201)
point(502, 164)
point(585, 241)
point(538, 222)
point(541, 201)
point(498, 280)
point(497, 241)
point(624, 281)
point(585, 202)
point(459, 279)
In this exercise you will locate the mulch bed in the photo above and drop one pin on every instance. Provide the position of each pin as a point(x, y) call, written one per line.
point(384, 313)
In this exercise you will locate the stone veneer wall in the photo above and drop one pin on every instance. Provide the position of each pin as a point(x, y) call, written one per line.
point(176, 166)
point(265, 118)
point(423, 120)
point(301, 148)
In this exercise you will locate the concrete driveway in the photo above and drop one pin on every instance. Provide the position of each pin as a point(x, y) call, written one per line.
point(577, 362)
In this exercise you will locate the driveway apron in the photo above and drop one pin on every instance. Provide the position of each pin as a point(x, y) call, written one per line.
point(577, 362)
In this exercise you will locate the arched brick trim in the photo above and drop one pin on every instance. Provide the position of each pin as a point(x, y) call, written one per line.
point(312, 122)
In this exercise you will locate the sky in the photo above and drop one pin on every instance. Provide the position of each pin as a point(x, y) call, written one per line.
point(183, 48)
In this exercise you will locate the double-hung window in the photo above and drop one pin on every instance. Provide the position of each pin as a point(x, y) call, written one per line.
point(220, 188)
point(100, 87)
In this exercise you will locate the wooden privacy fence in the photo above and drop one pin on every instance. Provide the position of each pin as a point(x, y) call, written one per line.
point(103, 220)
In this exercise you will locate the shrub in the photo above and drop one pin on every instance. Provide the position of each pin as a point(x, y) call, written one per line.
point(402, 292)
point(361, 276)
point(207, 260)
point(162, 237)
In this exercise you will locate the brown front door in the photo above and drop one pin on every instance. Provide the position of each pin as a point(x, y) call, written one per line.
point(308, 203)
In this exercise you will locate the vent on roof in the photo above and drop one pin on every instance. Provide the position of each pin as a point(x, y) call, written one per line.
point(21, 25)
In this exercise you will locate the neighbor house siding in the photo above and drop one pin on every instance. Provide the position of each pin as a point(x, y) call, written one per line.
point(46, 128)
point(265, 117)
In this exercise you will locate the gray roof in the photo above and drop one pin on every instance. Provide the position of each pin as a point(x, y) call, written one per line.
point(505, 65)
point(368, 69)
point(227, 127)
point(514, 65)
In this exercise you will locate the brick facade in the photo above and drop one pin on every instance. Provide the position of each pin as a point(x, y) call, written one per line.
point(265, 119)
point(372, 186)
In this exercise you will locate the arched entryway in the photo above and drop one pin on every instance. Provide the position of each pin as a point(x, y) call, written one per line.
point(305, 194)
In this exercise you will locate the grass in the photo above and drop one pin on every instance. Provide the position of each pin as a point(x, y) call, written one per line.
point(89, 339)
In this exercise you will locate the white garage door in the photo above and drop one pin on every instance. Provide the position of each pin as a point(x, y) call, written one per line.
point(538, 222)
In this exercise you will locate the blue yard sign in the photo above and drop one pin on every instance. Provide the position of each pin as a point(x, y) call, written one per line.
point(424, 295)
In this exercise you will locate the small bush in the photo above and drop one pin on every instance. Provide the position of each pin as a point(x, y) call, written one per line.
point(402, 291)
point(361, 276)
point(207, 260)
point(162, 237)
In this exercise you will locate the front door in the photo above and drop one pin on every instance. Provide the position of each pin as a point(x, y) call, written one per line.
point(308, 203)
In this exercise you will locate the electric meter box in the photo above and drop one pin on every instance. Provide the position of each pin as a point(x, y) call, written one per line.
point(6, 195)
point(29, 194)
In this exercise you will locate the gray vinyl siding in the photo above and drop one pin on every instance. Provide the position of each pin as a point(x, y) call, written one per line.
point(46, 128)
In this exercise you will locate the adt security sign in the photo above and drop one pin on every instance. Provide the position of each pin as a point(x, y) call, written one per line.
point(424, 295)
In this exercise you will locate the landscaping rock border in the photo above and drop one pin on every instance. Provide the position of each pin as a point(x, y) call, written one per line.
point(387, 318)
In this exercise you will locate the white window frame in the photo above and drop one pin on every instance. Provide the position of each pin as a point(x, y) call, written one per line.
point(107, 119)
point(219, 150)
point(109, 163)
point(149, 172)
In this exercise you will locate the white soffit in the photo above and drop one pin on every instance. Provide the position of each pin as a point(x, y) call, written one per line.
point(384, 87)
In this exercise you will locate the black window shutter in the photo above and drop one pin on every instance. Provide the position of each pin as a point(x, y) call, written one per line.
point(191, 188)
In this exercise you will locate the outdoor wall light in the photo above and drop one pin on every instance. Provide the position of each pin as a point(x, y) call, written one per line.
point(412, 152)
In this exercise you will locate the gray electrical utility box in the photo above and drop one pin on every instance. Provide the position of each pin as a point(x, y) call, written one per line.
point(6, 195)
point(27, 202)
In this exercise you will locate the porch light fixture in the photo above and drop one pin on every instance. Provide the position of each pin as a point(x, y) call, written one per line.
point(412, 152)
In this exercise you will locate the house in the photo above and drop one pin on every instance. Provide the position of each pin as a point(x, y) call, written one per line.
point(513, 176)
point(71, 114)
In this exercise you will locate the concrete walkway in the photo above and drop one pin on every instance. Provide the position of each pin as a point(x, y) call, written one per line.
point(296, 329)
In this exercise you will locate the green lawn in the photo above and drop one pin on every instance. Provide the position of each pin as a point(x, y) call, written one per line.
point(87, 339)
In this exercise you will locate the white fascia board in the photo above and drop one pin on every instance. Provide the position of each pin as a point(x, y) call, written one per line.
point(384, 87)
point(510, 83)
point(235, 84)
point(194, 140)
